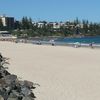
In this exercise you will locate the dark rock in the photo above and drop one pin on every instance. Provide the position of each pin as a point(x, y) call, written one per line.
point(32, 95)
point(10, 79)
point(25, 91)
point(13, 89)
point(27, 84)
point(1, 75)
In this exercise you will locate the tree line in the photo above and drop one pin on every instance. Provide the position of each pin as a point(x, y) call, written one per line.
point(26, 28)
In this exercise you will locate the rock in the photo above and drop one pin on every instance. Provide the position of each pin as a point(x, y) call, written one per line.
point(10, 79)
point(2, 82)
point(32, 95)
point(26, 84)
point(25, 91)
point(13, 89)
point(1, 76)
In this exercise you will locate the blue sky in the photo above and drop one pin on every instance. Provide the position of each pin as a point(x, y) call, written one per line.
point(52, 10)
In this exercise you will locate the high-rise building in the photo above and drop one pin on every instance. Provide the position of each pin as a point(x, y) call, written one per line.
point(7, 21)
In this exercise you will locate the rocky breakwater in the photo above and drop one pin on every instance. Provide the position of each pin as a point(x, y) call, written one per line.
point(11, 88)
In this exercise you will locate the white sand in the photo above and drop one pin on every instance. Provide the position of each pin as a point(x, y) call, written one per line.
point(64, 73)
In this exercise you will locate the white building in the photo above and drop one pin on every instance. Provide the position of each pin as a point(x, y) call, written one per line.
point(56, 25)
point(40, 24)
point(7, 21)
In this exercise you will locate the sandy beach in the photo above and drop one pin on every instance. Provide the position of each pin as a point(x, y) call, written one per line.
point(63, 73)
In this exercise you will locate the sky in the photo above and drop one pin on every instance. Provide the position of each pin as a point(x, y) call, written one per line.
point(52, 10)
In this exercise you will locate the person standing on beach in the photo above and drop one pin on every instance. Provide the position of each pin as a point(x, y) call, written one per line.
point(52, 42)
point(91, 45)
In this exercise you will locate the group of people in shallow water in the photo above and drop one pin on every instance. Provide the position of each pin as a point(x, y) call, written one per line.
point(78, 44)
point(53, 43)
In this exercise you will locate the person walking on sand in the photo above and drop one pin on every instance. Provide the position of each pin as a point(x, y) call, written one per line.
point(52, 42)
point(91, 45)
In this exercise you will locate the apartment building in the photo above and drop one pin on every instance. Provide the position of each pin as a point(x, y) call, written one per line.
point(7, 21)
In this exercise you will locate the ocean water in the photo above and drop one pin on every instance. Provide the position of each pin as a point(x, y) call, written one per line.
point(87, 40)
point(84, 41)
